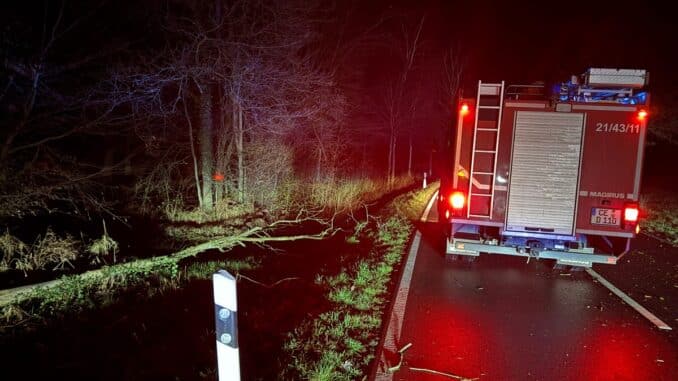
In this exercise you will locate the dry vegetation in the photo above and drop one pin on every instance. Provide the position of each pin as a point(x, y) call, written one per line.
point(49, 251)
point(661, 219)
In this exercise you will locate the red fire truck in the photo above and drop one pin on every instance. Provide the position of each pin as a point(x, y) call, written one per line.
point(548, 173)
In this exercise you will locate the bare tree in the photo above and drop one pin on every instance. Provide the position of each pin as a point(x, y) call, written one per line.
point(48, 98)
point(241, 74)
point(454, 65)
point(395, 102)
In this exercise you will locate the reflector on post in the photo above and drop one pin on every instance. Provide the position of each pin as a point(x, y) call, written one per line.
point(225, 317)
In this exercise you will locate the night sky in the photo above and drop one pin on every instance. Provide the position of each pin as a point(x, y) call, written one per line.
point(529, 41)
point(520, 42)
point(499, 40)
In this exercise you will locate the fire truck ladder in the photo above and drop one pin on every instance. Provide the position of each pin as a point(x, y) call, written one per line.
point(489, 107)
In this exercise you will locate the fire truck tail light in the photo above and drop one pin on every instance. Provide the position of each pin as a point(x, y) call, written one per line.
point(457, 200)
point(464, 109)
point(642, 114)
point(631, 213)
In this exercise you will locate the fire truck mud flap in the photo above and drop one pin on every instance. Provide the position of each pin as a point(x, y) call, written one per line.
point(583, 257)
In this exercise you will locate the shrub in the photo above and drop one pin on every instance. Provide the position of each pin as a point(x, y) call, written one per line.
point(11, 248)
point(48, 250)
point(102, 247)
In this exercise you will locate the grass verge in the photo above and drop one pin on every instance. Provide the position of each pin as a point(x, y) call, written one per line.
point(661, 208)
point(341, 343)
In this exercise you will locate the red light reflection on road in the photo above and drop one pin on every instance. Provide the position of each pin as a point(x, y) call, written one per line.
point(448, 339)
point(621, 352)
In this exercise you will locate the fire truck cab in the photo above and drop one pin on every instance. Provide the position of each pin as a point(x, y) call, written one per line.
point(548, 172)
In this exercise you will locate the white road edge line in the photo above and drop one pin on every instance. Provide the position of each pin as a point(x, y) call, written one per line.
point(636, 306)
point(395, 321)
point(424, 217)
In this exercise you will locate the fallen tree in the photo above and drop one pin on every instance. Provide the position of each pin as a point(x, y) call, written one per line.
point(76, 292)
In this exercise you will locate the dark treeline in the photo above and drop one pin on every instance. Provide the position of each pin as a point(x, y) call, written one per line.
point(197, 103)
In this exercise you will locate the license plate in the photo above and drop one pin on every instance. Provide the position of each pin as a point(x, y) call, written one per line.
point(605, 216)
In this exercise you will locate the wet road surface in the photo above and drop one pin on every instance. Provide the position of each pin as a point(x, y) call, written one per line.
point(500, 318)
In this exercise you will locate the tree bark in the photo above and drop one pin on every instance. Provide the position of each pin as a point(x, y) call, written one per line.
point(238, 133)
point(193, 155)
point(392, 157)
point(206, 154)
point(224, 151)
point(409, 160)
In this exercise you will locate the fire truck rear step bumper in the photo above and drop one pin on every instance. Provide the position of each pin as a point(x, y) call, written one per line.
point(583, 257)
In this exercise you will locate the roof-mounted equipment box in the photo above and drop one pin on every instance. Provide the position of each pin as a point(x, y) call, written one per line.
point(633, 78)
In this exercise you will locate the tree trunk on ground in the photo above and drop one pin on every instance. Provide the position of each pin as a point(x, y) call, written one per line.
point(255, 235)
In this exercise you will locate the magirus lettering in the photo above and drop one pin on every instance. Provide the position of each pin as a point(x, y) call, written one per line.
point(607, 194)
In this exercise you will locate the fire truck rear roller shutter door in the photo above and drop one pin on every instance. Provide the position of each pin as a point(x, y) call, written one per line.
point(545, 171)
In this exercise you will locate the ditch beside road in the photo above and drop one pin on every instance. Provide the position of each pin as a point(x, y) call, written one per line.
point(288, 292)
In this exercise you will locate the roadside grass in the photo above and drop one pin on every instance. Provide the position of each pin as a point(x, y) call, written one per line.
point(200, 233)
point(661, 208)
point(349, 194)
point(222, 210)
point(340, 344)
point(333, 194)
point(205, 270)
point(230, 218)
point(195, 225)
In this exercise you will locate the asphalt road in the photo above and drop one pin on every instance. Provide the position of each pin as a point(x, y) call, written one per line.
point(500, 318)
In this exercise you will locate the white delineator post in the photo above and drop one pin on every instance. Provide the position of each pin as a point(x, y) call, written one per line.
point(424, 185)
point(226, 321)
